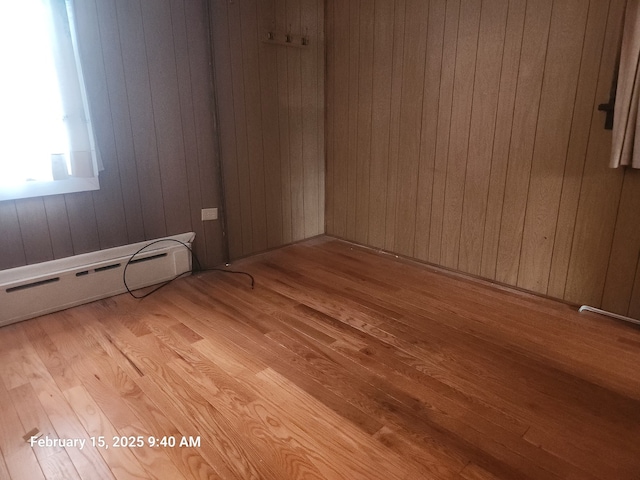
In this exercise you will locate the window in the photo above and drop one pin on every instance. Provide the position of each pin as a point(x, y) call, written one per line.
point(46, 140)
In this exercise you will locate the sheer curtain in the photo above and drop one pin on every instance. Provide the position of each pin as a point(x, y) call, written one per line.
point(46, 137)
point(626, 122)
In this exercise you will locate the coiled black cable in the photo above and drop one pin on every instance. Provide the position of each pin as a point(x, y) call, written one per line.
point(167, 282)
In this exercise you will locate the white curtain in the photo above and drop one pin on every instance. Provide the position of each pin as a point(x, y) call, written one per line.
point(626, 122)
point(83, 161)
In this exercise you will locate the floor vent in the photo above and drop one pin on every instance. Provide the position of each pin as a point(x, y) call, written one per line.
point(33, 290)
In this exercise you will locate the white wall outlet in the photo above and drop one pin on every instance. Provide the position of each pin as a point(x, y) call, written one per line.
point(209, 214)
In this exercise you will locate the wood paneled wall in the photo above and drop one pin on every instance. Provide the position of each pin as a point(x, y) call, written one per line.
point(271, 115)
point(465, 133)
point(149, 84)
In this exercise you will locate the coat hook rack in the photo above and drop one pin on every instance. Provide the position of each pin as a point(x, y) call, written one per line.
point(285, 39)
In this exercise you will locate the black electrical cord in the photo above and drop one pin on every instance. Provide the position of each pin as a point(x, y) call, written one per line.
point(193, 256)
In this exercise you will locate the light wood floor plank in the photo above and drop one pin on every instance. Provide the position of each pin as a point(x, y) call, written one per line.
point(54, 461)
point(20, 459)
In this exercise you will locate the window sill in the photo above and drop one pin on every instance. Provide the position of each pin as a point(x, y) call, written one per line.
point(54, 187)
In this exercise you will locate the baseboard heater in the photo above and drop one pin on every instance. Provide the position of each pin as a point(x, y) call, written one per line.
point(34, 290)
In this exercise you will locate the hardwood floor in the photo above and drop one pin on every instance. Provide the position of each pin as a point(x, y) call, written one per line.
point(342, 363)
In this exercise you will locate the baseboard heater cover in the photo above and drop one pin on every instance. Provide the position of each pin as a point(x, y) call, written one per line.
point(34, 290)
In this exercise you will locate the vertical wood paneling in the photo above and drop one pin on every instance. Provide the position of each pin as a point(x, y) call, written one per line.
point(509, 177)
point(58, 226)
point(111, 223)
point(365, 89)
point(502, 139)
point(445, 101)
point(580, 128)
point(380, 117)
point(283, 115)
point(202, 98)
point(120, 120)
point(271, 114)
point(13, 254)
point(634, 306)
point(341, 116)
point(32, 216)
point(236, 94)
point(330, 69)
point(270, 124)
point(413, 61)
point(431, 93)
point(523, 133)
point(165, 100)
point(82, 222)
point(251, 76)
point(294, 103)
point(465, 70)
point(491, 40)
point(566, 38)
point(354, 65)
point(140, 109)
point(311, 71)
point(394, 124)
point(227, 130)
point(321, 114)
point(188, 126)
point(149, 88)
point(625, 251)
point(600, 192)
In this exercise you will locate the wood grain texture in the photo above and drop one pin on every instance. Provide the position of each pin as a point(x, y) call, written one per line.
point(124, 154)
point(150, 93)
point(428, 135)
point(600, 192)
point(634, 306)
point(292, 19)
point(394, 123)
point(380, 111)
point(166, 108)
point(54, 461)
point(353, 106)
point(535, 49)
point(271, 126)
point(507, 179)
point(566, 39)
point(140, 108)
point(622, 269)
point(59, 231)
point(270, 113)
point(83, 222)
point(321, 115)
point(578, 142)
point(365, 122)
point(412, 88)
point(283, 118)
point(482, 131)
point(190, 135)
point(111, 224)
point(32, 216)
point(511, 55)
point(249, 35)
point(19, 458)
point(445, 102)
point(341, 363)
point(464, 76)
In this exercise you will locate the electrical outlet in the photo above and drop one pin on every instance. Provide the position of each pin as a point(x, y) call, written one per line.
point(209, 214)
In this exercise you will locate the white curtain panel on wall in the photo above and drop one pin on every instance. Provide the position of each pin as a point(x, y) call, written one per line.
point(626, 123)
